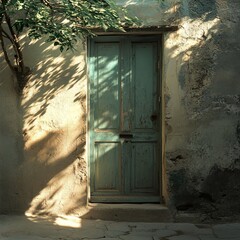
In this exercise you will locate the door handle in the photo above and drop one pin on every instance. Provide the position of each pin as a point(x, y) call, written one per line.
point(126, 135)
point(154, 117)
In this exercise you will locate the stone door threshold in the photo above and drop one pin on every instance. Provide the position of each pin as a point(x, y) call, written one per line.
point(129, 212)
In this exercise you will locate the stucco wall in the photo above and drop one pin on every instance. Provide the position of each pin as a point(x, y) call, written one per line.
point(42, 138)
point(43, 168)
point(202, 108)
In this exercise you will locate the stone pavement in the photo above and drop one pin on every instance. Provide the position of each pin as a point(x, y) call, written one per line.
point(74, 228)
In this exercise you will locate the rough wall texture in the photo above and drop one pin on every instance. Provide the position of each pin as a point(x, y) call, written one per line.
point(43, 167)
point(202, 109)
point(42, 138)
point(201, 102)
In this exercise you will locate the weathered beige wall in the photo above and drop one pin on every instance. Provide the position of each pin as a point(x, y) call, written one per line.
point(202, 108)
point(43, 167)
point(42, 138)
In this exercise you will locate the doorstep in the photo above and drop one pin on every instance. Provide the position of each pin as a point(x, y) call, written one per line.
point(129, 212)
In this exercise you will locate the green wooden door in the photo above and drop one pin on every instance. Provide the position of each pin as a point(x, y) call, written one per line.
point(124, 119)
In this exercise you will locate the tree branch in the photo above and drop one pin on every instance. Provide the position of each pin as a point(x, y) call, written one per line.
point(6, 35)
point(15, 42)
point(5, 51)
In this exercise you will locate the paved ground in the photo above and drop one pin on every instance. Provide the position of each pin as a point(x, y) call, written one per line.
point(73, 228)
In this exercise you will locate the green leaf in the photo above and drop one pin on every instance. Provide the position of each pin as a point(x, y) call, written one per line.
point(63, 22)
point(19, 25)
point(51, 38)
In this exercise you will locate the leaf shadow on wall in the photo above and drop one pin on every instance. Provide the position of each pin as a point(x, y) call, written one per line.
point(49, 176)
point(54, 163)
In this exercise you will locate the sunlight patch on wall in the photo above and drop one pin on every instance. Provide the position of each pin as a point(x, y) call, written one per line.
point(182, 49)
point(173, 9)
point(63, 194)
point(191, 34)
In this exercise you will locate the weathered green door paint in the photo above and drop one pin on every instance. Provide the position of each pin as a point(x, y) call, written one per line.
point(125, 119)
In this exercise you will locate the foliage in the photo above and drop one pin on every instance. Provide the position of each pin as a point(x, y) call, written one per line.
point(62, 22)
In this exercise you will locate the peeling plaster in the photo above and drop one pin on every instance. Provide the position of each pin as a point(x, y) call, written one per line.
point(43, 157)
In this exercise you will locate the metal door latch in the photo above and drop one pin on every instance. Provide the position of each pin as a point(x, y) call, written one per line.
point(126, 135)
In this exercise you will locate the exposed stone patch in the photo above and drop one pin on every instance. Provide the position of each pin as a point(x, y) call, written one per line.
point(214, 196)
point(80, 169)
point(203, 8)
point(223, 185)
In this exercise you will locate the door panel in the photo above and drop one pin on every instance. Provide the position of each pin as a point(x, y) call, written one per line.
point(124, 120)
point(107, 167)
point(107, 92)
point(145, 87)
point(144, 168)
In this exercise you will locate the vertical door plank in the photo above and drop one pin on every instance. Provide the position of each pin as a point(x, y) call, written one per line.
point(144, 161)
point(145, 85)
point(126, 120)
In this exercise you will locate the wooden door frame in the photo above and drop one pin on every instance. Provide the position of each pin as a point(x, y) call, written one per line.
point(158, 36)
